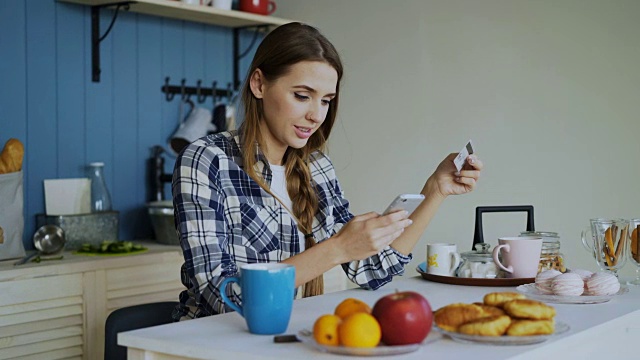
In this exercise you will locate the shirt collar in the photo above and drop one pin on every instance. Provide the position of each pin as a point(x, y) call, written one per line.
point(262, 164)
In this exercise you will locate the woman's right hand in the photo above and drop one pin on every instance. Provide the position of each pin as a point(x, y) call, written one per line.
point(370, 233)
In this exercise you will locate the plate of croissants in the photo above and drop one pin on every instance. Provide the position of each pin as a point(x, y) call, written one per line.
point(502, 318)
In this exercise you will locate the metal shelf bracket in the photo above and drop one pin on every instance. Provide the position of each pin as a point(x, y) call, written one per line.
point(96, 38)
point(237, 55)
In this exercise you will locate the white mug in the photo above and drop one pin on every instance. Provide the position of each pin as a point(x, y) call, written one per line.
point(442, 259)
point(197, 125)
point(222, 4)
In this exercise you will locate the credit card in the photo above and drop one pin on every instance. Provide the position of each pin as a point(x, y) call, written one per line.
point(462, 155)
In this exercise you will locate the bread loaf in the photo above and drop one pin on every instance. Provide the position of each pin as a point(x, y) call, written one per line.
point(11, 156)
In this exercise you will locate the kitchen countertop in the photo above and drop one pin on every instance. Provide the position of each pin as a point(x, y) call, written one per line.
point(607, 330)
point(156, 253)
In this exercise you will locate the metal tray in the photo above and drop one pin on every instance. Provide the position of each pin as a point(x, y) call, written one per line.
point(472, 281)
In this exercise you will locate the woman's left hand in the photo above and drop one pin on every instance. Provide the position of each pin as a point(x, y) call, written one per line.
point(446, 180)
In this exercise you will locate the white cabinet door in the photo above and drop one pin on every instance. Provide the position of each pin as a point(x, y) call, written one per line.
point(42, 318)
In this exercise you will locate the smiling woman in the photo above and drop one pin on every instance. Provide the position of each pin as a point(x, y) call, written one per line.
point(268, 193)
point(295, 105)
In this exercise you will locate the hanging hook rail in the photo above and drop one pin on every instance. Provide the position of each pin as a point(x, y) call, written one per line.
point(199, 95)
point(186, 91)
point(214, 98)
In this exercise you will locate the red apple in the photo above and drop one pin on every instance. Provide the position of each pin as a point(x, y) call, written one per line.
point(405, 317)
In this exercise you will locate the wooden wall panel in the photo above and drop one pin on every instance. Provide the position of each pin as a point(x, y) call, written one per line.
point(149, 103)
point(125, 121)
point(194, 47)
point(218, 62)
point(13, 108)
point(173, 67)
point(99, 103)
point(41, 146)
point(70, 88)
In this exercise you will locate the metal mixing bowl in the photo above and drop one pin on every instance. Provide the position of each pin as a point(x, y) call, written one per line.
point(49, 239)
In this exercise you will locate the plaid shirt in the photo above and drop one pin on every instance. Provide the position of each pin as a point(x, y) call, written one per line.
point(224, 218)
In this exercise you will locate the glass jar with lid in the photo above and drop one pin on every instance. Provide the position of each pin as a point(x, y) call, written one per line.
point(477, 263)
point(550, 256)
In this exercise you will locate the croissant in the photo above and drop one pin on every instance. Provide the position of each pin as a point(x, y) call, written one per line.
point(529, 309)
point(499, 298)
point(490, 310)
point(531, 327)
point(11, 156)
point(454, 315)
point(488, 326)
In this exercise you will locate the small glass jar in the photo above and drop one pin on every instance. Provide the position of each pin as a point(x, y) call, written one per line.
point(478, 263)
point(550, 256)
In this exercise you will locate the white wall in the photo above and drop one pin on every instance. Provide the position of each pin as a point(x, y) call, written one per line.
point(549, 90)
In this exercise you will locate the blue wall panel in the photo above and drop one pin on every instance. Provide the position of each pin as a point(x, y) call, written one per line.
point(71, 89)
point(219, 66)
point(99, 103)
point(13, 98)
point(42, 146)
point(149, 104)
point(173, 67)
point(193, 52)
point(49, 102)
point(173, 60)
point(125, 121)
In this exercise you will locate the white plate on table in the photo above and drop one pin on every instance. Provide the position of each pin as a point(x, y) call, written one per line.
point(306, 337)
point(560, 328)
point(530, 291)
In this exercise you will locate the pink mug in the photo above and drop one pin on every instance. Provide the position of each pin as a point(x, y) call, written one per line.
point(261, 7)
point(521, 256)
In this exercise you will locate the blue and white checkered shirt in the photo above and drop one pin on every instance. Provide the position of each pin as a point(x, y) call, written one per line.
point(224, 218)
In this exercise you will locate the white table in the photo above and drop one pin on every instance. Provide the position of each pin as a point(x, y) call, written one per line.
point(609, 330)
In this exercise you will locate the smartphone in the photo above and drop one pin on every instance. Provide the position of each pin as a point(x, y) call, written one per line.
point(408, 202)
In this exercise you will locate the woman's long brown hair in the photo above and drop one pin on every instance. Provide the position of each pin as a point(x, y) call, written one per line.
point(285, 46)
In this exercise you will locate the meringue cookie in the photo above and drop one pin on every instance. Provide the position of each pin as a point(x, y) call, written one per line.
point(584, 274)
point(543, 281)
point(603, 283)
point(567, 284)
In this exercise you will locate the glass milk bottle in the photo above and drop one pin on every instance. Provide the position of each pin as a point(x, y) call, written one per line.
point(100, 198)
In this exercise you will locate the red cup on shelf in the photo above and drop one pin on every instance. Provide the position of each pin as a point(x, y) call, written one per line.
point(261, 7)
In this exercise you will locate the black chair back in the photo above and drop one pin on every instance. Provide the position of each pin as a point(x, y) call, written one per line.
point(132, 318)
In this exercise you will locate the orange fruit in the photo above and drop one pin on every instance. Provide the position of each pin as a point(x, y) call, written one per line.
point(351, 306)
point(360, 330)
point(325, 330)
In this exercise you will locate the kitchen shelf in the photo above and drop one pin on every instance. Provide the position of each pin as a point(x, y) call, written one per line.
point(198, 13)
point(175, 10)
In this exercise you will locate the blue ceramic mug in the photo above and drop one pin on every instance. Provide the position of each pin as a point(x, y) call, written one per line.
point(267, 296)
